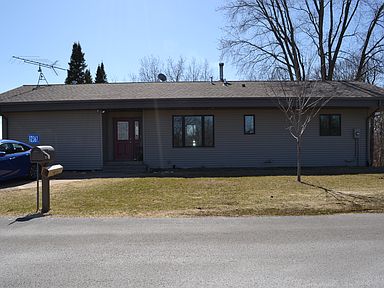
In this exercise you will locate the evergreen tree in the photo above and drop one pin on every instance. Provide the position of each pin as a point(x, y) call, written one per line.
point(76, 71)
point(101, 77)
point(88, 77)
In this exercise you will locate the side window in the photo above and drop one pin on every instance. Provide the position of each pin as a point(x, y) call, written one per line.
point(7, 148)
point(17, 148)
point(249, 124)
point(330, 125)
point(26, 148)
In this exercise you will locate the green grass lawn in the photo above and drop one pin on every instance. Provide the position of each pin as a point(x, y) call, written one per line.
point(202, 196)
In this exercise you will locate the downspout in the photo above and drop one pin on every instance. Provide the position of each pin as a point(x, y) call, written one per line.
point(368, 134)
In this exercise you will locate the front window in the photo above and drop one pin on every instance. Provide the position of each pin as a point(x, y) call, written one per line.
point(330, 125)
point(193, 131)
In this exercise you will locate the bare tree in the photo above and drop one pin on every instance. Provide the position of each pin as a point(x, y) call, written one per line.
point(276, 37)
point(300, 104)
point(206, 71)
point(372, 51)
point(335, 23)
point(345, 69)
point(373, 70)
point(329, 38)
point(193, 72)
point(133, 77)
point(263, 33)
point(150, 68)
point(175, 70)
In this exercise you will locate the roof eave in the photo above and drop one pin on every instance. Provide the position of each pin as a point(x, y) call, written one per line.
point(177, 103)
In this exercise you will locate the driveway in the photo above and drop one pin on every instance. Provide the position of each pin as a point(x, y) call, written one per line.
point(321, 251)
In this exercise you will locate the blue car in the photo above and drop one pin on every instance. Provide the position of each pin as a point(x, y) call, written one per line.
point(14, 160)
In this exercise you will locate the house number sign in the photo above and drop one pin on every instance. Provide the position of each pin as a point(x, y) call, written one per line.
point(34, 139)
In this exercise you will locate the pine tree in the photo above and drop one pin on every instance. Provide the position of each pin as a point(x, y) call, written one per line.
point(76, 71)
point(88, 77)
point(101, 77)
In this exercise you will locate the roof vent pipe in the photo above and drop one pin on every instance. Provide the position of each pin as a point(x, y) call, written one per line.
point(221, 67)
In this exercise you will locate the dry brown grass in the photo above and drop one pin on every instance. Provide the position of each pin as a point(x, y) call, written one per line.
point(206, 196)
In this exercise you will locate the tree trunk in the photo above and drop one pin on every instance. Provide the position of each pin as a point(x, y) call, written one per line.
point(298, 159)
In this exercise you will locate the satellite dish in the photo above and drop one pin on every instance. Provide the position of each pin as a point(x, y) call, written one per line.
point(162, 77)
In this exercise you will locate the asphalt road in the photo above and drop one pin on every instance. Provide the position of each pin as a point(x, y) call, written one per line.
point(322, 251)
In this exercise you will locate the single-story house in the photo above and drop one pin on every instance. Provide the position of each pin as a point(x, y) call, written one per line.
point(190, 124)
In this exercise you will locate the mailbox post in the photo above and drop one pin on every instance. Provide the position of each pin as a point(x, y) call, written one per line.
point(45, 155)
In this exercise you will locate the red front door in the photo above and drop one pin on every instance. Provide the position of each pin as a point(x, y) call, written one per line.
point(128, 139)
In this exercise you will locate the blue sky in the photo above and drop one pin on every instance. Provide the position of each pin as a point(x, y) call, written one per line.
point(117, 32)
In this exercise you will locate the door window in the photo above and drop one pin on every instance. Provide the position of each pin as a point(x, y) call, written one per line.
point(137, 130)
point(122, 130)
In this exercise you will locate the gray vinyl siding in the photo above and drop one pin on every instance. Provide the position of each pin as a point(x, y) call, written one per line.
point(270, 146)
point(75, 135)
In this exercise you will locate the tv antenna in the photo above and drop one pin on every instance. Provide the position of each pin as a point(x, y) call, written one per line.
point(52, 66)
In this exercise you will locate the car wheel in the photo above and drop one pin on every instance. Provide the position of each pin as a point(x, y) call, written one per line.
point(32, 172)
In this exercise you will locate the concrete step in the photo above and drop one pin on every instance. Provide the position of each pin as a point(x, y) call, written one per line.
point(123, 163)
point(125, 167)
point(126, 170)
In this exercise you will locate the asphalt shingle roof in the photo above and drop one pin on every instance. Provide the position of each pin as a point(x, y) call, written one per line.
point(182, 90)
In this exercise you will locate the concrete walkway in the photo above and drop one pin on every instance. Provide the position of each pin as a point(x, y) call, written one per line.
point(32, 184)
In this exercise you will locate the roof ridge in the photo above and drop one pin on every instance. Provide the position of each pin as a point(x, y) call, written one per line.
point(200, 82)
point(179, 90)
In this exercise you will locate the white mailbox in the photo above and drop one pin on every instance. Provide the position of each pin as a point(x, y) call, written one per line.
point(51, 171)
